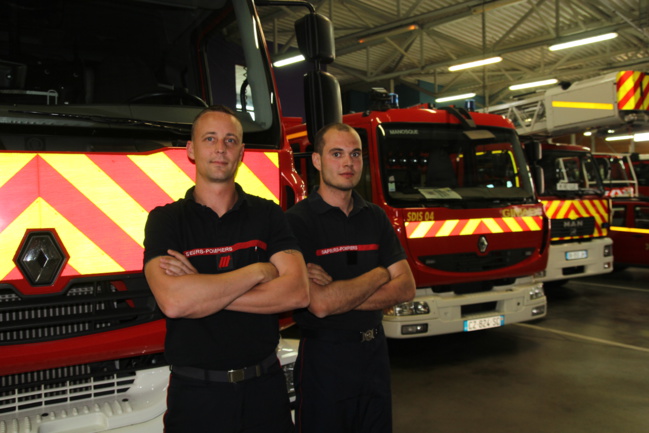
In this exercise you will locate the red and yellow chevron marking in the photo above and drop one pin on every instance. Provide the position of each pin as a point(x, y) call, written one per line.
point(475, 226)
point(573, 209)
point(99, 203)
point(632, 90)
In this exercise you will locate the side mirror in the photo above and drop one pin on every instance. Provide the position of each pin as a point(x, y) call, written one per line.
point(315, 38)
point(323, 104)
point(533, 151)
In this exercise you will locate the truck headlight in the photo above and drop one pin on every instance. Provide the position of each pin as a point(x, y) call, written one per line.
point(608, 250)
point(408, 309)
point(536, 292)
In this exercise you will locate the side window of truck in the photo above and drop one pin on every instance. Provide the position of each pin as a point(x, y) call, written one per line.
point(619, 217)
point(642, 217)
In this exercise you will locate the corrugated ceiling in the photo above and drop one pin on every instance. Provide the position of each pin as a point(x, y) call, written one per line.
point(450, 32)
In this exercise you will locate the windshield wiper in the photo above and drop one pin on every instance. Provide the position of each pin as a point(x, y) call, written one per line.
point(173, 127)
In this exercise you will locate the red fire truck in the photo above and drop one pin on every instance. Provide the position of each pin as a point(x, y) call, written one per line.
point(456, 187)
point(576, 203)
point(96, 104)
point(580, 245)
point(630, 221)
point(630, 232)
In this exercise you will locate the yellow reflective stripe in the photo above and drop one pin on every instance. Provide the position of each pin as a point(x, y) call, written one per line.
point(12, 163)
point(550, 207)
point(447, 227)
point(582, 105)
point(531, 223)
point(102, 191)
point(596, 213)
point(253, 185)
point(421, 229)
point(85, 256)
point(599, 208)
point(296, 135)
point(12, 235)
point(581, 211)
point(629, 230)
point(627, 87)
point(492, 225)
point(512, 224)
point(470, 226)
point(165, 173)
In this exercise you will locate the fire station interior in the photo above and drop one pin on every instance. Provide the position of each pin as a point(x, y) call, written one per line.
point(581, 365)
point(584, 367)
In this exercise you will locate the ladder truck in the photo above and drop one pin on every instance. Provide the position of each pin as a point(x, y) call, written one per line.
point(581, 244)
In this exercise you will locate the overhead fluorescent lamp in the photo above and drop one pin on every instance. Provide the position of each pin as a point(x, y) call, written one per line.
point(288, 61)
point(475, 64)
point(533, 84)
point(586, 41)
point(388, 33)
point(455, 97)
point(641, 136)
point(494, 5)
point(619, 137)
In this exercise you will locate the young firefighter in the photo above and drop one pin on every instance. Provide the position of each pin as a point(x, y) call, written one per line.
point(239, 266)
point(356, 268)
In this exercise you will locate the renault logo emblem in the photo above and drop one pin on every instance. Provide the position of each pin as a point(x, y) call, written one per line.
point(482, 244)
point(41, 258)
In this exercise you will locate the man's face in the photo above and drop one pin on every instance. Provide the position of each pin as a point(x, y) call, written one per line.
point(341, 163)
point(216, 147)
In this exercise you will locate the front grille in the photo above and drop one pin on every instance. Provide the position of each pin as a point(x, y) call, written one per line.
point(78, 383)
point(473, 287)
point(484, 307)
point(473, 262)
point(85, 307)
point(563, 228)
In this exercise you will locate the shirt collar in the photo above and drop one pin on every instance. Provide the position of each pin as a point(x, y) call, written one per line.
point(242, 197)
point(321, 206)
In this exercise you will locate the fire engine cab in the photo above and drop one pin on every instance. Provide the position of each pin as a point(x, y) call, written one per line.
point(456, 187)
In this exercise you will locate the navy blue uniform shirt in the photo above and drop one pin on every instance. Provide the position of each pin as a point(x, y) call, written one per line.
point(252, 231)
point(345, 247)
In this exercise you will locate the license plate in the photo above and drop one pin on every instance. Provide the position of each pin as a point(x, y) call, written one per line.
point(484, 323)
point(576, 255)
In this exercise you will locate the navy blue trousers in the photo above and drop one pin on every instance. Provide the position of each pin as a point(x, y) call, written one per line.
point(343, 387)
point(257, 405)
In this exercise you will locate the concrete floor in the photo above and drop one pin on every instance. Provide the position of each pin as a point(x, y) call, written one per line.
point(583, 368)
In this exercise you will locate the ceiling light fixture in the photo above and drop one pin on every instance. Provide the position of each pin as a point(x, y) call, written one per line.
point(475, 64)
point(641, 136)
point(288, 61)
point(586, 41)
point(388, 33)
point(455, 97)
point(533, 84)
point(619, 137)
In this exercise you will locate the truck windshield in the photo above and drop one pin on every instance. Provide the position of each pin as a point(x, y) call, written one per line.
point(570, 174)
point(429, 164)
point(129, 68)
